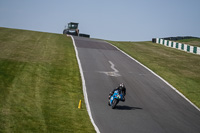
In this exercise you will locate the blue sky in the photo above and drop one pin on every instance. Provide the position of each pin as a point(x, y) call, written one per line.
point(118, 20)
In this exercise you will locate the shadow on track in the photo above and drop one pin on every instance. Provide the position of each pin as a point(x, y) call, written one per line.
point(124, 107)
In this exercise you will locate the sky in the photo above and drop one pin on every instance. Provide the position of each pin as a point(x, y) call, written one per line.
point(116, 20)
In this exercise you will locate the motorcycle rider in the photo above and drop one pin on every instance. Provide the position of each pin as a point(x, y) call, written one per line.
point(122, 89)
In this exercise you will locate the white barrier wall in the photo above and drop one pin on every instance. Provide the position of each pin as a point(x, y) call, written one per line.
point(180, 46)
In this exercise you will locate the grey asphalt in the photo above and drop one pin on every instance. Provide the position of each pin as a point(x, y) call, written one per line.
point(151, 106)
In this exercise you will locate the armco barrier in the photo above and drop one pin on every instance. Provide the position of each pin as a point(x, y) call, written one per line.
point(180, 46)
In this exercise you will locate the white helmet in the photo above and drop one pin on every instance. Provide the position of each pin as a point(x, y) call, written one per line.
point(121, 85)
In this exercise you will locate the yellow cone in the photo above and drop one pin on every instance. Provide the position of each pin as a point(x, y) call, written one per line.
point(79, 105)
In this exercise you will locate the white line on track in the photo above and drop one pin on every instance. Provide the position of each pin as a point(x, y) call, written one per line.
point(114, 73)
point(84, 87)
point(113, 66)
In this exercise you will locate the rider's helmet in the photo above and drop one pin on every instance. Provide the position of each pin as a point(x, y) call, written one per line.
point(121, 85)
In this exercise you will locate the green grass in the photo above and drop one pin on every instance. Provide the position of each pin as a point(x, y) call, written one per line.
point(179, 68)
point(192, 42)
point(40, 85)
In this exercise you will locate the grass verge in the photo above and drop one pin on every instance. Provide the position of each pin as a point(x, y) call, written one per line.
point(192, 42)
point(40, 84)
point(179, 68)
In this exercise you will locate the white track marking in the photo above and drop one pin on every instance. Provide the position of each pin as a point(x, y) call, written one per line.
point(157, 76)
point(114, 73)
point(84, 87)
point(113, 67)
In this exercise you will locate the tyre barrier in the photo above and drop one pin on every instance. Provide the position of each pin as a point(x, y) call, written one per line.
point(176, 45)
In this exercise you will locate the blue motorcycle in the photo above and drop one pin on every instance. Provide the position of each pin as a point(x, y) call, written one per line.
point(115, 98)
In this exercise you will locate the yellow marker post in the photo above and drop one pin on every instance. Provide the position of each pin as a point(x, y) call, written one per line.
point(79, 105)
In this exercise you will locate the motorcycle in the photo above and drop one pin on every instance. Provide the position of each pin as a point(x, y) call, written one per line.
point(114, 99)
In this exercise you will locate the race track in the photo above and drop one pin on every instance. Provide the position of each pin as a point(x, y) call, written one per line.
point(151, 106)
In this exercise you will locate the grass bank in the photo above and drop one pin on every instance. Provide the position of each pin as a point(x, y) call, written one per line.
point(192, 42)
point(40, 84)
point(179, 68)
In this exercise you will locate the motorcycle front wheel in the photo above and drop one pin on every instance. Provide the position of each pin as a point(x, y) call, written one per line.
point(109, 103)
point(114, 103)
